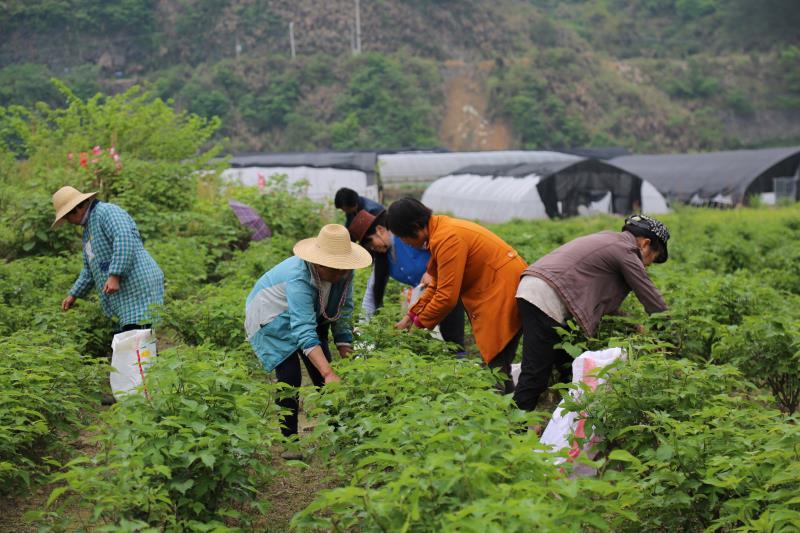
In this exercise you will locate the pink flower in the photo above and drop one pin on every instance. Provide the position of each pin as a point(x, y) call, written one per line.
point(97, 150)
point(111, 151)
point(115, 157)
point(69, 156)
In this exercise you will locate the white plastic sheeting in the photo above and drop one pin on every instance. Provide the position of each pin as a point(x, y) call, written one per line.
point(653, 202)
point(427, 166)
point(484, 198)
point(321, 183)
point(500, 199)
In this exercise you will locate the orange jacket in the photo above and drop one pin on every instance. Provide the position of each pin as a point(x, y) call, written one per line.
point(471, 262)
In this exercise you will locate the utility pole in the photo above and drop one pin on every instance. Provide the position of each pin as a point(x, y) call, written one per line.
point(291, 38)
point(357, 49)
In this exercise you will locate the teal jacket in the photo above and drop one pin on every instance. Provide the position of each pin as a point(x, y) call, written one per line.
point(282, 310)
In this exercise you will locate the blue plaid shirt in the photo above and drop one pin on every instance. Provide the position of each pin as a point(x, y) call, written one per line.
point(112, 245)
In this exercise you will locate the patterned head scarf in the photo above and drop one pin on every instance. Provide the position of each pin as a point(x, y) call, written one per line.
point(655, 228)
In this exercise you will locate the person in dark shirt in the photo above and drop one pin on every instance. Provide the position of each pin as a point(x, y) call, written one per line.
point(350, 203)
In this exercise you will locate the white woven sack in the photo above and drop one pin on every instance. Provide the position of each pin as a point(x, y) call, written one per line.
point(133, 352)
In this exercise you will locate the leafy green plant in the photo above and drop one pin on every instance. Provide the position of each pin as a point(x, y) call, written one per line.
point(45, 388)
point(699, 451)
point(767, 350)
point(187, 454)
point(431, 446)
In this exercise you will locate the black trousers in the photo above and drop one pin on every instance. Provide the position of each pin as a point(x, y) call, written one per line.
point(503, 361)
point(289, 372)
point(538, 355)
point(131, 327)
point(452, 327)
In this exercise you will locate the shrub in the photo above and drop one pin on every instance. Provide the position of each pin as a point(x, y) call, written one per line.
point(699, 452)
point(46, 387)
point(180, 456)
point(767, 350)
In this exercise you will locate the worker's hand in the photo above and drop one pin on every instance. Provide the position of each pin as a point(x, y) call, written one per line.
point(426, 280)
point(112, 284)
point(345, 351)
point(332, 378)
point(67, 303)
point(406, 323)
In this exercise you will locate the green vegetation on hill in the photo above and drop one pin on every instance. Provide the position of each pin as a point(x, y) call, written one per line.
point(653, 75)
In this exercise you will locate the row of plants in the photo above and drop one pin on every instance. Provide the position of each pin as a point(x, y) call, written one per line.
point(190, 454)
point(193, 452)
point(428, 446)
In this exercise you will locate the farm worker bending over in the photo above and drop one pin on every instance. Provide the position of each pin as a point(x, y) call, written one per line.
point(351, 203)
point(296, 300)
point(394, 258)
point(584, 279)
point(470, 262)
point(115, 262)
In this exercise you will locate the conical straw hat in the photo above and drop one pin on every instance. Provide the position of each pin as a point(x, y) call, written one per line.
point(65, 200)
point(332, 248)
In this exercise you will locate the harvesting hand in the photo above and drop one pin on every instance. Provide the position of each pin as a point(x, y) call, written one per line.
point(67, 303)
point(332, 378)
point(426, 280)
point(345, 351)
point(406, 323)
point(112, 285)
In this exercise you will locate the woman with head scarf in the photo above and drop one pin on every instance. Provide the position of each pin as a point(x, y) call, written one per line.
point(583, 279)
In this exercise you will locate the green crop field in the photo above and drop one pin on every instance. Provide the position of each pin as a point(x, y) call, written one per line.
point(699, 426)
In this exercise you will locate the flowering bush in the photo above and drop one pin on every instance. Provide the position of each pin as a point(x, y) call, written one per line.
point(101, 163)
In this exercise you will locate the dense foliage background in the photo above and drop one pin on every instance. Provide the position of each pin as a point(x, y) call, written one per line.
point(652, 75)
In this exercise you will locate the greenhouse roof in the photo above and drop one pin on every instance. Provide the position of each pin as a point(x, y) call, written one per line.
point(733, 173)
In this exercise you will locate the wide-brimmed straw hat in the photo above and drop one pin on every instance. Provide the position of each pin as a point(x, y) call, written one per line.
point(65, 200)
point(332, 248)
point(361, 224)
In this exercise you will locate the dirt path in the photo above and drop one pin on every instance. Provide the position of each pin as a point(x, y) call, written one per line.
point(466, 125)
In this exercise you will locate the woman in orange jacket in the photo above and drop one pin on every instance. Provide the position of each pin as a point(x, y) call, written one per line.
point(470, 262)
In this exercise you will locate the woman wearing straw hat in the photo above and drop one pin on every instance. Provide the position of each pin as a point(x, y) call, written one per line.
point(290, 307)
point(115, 262)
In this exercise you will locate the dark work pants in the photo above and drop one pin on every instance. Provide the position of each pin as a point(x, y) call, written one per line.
point(538, 355)
point(289, 372)
point(503, 361)
point(452, 327)
point(131, 327)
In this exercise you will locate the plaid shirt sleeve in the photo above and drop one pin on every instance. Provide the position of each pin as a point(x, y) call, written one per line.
point(84, 283)
point(124, 236)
